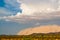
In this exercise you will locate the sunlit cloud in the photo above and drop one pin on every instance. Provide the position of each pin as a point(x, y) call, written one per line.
point(40, 29)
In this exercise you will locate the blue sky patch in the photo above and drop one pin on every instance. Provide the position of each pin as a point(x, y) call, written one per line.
point(2, 3)
point(12, 5)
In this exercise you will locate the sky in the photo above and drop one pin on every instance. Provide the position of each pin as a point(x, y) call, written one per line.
point(16, 15)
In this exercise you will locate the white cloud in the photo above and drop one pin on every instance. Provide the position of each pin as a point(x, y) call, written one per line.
point(32, 7)
point(34, 12)
point(41, 3)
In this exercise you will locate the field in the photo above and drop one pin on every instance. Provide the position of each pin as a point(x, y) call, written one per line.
point(34, 36)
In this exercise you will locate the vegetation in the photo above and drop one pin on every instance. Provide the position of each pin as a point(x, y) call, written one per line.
point(34, 36)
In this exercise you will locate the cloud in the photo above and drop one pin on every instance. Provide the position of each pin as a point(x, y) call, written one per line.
point(34, 13)
point(33, 7)
point(40, 29)
point(35, 20)
point(40, 3)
